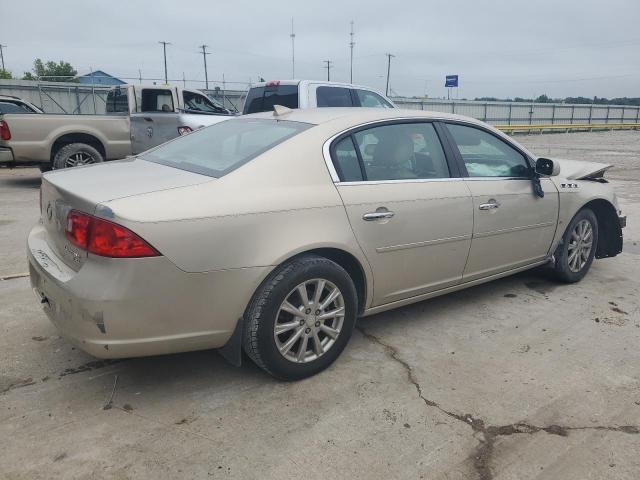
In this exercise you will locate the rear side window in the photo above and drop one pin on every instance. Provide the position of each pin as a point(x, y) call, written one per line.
point(195, 102)
point(117, 101)
point(7, 107)
point(371, 100)
point(333, 97)
point(221, 148)
point(346, 161)
point(399, 151)
point(157, 101)
point(262, 99)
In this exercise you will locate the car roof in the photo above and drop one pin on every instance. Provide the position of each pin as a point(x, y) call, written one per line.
point(357, 115)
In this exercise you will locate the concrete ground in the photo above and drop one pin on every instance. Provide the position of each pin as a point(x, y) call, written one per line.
point(521, 378)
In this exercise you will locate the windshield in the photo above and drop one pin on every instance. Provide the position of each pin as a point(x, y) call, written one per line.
point(221, 148)
point(199, 103)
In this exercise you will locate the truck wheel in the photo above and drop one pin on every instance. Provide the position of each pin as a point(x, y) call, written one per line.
point(76, 154)
point(301, 318)
point(575, 253)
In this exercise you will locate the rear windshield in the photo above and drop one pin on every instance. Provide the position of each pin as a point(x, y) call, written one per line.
point(221, 148)
point(262, 99)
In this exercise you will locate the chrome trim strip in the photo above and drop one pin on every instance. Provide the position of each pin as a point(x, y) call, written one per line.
point(514, 229)
point(439, 241)
point(406, 180)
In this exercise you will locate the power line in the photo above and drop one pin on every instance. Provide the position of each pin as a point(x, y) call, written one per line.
point(389, 56)
point(328, 67)
point(351, 45)
point(204, 57)
point(164, 50)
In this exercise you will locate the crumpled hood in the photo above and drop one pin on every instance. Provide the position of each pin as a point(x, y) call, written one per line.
point(578, 169)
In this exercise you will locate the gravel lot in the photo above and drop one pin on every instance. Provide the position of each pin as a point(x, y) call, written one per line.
point(521, 378)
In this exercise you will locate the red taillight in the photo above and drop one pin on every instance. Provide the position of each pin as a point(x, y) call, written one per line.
point(273, 83)
point(105, 238)
point(5, 133)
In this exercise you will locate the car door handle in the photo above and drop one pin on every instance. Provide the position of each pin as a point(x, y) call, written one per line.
point(491, 205)
point(377, 215)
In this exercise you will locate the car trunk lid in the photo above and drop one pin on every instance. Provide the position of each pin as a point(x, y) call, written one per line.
point(83, 188)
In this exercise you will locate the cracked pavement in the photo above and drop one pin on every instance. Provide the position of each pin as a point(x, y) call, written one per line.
point(521, 378)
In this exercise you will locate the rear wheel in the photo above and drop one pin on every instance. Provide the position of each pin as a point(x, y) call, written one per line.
point(75, 155)
point(575, 254)
point(301, 318)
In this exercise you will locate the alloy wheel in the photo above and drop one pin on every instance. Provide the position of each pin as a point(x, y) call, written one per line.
point(309, 320)
point(580, 245)
point(79, 158)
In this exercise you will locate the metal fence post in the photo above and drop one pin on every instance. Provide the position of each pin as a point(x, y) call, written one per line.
point(622, 119)
point(590, 114)
point(485, 112)
point(40, 93)
point(608, 110)
point(510, 106)
point(453, 107)
point(553, 114)
point(637, 114)
point(531, 114)
point(573, 110)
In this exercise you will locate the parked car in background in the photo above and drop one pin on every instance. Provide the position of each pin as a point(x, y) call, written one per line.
point(11, 104)
point(137, 118)
point(272, 232)
point(261, 97)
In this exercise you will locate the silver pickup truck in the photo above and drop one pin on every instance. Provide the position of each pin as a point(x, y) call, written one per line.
point(137, 118)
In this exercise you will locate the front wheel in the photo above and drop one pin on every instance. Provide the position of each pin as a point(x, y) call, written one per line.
point(575, 253)
point(301, 318)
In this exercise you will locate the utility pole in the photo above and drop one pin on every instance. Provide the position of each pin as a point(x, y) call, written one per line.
point(328, 67)
point(351, 45)
point(389, 56)
point(293, 51)
point(164, 51)
point(2, 54)
point(140, 76)
point(204, 57)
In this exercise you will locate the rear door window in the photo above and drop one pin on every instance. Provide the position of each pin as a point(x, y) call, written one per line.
point(333, 97)
point(262, 99)
point(157, 101)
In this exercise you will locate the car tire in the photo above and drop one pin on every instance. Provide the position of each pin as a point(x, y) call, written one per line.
point(577, 249)
point(76, 154)
point(280, 353)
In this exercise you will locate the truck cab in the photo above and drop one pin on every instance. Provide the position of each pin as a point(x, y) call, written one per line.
point(153, 108)
point(261, 97)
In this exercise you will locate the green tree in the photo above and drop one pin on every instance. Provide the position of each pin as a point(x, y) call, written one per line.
point(52, 72)
point(5, 74)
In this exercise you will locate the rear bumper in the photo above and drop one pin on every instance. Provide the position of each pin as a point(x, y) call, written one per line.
point(114, 308)
point(6, 155)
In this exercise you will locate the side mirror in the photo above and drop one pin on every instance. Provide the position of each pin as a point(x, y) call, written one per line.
point(547, 167)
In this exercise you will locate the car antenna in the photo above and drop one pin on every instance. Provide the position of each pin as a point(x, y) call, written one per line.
point(279, 110)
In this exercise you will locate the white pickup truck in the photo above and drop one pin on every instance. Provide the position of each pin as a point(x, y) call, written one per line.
point(137, 118)
point(261, 97)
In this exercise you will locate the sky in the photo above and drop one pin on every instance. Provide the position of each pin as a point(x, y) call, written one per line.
point(498, 48)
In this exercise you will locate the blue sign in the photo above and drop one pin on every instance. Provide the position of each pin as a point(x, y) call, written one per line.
point(451, 81)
